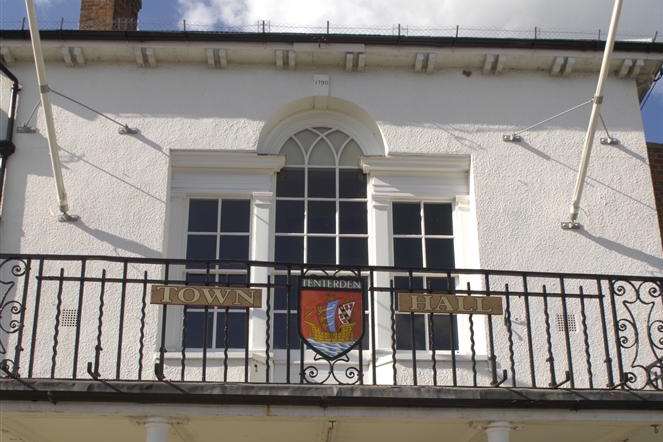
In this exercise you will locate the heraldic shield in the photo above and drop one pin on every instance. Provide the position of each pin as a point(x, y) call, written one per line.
point(331, 315)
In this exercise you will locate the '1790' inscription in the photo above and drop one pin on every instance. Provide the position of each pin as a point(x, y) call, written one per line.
point(233, 297)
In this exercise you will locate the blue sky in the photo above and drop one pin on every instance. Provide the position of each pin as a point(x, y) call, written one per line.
point(639, 17)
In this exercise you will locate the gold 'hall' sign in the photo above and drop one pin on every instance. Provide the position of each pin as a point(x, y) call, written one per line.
point(444, 303)
point(233, 297)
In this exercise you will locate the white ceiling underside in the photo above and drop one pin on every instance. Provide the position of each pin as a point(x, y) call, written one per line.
point(38, 427)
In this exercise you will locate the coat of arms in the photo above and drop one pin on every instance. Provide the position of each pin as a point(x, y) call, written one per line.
point(331, 315)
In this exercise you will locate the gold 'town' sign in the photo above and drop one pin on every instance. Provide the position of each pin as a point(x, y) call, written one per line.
point(445, 303)
point(233, 297)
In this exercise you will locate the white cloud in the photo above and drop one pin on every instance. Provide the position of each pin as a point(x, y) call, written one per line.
point(639, 16)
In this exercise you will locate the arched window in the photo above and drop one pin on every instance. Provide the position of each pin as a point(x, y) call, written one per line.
point(321, 214)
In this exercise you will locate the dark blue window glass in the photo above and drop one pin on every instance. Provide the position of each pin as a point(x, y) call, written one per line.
point(235, 215)
point(203, 215)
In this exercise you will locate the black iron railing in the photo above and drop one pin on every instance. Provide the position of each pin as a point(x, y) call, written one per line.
point(90, 317)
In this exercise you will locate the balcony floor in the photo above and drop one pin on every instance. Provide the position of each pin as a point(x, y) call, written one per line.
point(89, 410)
point(328, 395)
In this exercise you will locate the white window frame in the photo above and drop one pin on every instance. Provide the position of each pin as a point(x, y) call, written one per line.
point(215, 271)
point(422, 237)
point(424, 178)
point(221, 175)
point(337, 235)
point(337, 199)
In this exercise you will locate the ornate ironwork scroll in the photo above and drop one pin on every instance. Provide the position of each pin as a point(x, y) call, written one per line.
point(11, 310)
point(639, 324)
point(314, 375)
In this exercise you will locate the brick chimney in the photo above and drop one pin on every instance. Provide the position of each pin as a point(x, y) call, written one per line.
point(109, 15)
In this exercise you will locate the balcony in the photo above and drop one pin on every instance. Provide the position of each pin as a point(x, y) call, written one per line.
point(79, 326)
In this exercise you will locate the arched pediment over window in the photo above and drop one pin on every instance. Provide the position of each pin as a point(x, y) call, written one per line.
point(341, 115)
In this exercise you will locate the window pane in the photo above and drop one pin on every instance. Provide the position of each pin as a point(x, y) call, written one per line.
point(234, 280)
point(280, 300)
point(321, 216)
point(281, 329)
point(407, 219)
point(407, 252)
point(354, 251)
point(351, 155)
point(293, 154)
point(404, 332)
point(439, 253)
point(234, 248)
point(437, 284)
point(337, 139)
point(203, 215)
point(200, 247)
point(438, 219)
point(289, 249)
point(352, 183)
point(290, 182)
point(235, 216)
point(321, 155)
point(366, 340)
point(321, 250)
point(289, 216)
point(442, 332)
point(322, 183)
point(306, 138)
point(352, 217)
point(232, 334)
point(194, 329)
point(200, 279)
point(403, 283)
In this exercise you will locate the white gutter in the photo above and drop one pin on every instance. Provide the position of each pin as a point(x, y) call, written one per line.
point(48, 112)
point(593, 119)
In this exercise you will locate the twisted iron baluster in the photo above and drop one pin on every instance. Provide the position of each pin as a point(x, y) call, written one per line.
point(56, 331)
point(583, 315)
point(472, 343)
point(551, 358)
point(141, 339)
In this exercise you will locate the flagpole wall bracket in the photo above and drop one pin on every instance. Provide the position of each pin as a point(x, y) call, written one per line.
point(570, 225)
point(126, 130)
point(512, 138)
point(67, 218)
point(25, 129)
point(609, 141)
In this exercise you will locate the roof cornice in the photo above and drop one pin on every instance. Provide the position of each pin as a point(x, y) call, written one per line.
point(388, 40)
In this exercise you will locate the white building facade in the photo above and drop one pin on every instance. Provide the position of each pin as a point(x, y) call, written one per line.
point(259, 158)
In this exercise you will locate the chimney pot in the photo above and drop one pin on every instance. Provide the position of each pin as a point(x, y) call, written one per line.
point(109, 15)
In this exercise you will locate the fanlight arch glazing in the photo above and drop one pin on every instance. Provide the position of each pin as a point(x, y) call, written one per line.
point(321, 147)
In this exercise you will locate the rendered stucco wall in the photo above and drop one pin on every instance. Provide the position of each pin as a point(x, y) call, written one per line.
point(655, 153)
point(119, 184)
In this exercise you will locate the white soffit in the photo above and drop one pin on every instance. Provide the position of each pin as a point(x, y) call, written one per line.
point(313, 55)
point(225, 160)
point(416, 164)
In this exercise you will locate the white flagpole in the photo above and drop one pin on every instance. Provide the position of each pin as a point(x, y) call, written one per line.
point(593, 119)
point(48, 112)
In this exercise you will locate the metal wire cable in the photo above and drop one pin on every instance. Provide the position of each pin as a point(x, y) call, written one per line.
point(32, 114)
point(605, 127)
point(122, 125)
point(553, 117)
